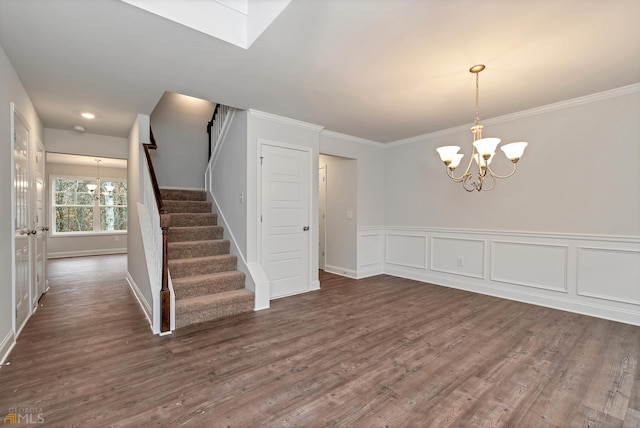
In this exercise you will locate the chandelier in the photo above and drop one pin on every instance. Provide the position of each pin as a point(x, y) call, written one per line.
point(94, 189)
point(482, 153)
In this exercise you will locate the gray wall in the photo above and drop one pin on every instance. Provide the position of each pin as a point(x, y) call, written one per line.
point(179, 125)
point(229, 179)
point(579, 175)
point(136, 260)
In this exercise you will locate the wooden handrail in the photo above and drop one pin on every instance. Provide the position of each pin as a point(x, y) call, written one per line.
point(165, 220)
point(210, 125)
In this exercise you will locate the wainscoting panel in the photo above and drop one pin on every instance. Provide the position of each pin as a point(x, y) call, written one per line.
point(370, 252)
point(407, 250)
point(588, 274)
point(612, 274)
point(529, 264)
point(458, 256)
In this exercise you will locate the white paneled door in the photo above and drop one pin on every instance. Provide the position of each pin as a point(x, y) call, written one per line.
point(22, 222)
point(40, 277)
point(285, 219)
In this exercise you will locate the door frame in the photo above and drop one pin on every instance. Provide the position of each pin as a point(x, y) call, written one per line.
point(312, 171)
point(322, 220)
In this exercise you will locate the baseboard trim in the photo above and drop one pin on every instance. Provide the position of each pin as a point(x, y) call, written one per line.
point(146, 308)
point(337, 270)
point(523, 296)
point(83, 253)
point(6, 346)
point(366, 273)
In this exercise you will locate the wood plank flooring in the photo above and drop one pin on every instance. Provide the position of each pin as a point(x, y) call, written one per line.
point(378, 352)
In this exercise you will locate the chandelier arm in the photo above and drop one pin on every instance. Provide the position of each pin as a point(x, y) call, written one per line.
point(455, 179)
point(462, 177)
point(494, 175)
point(473, 184)
point(493, 184)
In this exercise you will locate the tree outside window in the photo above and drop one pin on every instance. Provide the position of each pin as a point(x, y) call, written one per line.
point(78, 210)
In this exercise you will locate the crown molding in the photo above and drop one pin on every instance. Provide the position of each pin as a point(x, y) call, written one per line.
point(284, 120)
point(429, 136)
point(352, 139)
point(574, 102)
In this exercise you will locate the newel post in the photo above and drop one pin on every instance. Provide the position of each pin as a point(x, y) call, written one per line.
point(165, 295)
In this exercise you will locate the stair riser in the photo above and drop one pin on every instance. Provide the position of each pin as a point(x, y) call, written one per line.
point(183, 195)
point(195, 234)
point(187, 206)
point(189, 219)
point(182, 250)
point(184, 318)
point(187, 267)
point(186, 291)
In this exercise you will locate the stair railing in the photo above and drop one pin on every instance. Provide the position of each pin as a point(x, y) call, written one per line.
point(214, 126)
point(163, 219)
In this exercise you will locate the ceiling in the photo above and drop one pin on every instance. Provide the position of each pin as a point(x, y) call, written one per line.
point(383, 70)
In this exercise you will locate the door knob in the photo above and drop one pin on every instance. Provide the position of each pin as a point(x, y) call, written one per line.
point(305, 228)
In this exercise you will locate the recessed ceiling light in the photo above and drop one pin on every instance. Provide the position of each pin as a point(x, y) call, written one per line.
point(87, 115)
point(79, 128)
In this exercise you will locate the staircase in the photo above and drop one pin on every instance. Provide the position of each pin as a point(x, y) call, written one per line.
point(205, 278)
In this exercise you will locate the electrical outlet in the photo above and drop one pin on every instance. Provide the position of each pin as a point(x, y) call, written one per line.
point(460, 262)
point(116, 238)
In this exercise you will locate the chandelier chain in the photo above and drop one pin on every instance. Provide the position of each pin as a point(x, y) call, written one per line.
point(477, 118)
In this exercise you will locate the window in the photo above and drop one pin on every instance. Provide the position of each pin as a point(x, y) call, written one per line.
point(77, 210)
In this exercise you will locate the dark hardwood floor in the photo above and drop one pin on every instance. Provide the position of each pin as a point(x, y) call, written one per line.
point(379, 352)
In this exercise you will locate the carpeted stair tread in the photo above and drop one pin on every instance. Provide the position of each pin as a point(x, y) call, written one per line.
point(181, 206)
point(198, 285)
point(195, 233)
point(186, 249)
point(213, 306)
point(202, 265)
point(217, 299)
point(193, 219)
point(183, 194)
point(206, 282)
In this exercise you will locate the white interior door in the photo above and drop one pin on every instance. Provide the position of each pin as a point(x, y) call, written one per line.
point(285, 234)
point(322, 210)
point(22, 225)
point(40, 225)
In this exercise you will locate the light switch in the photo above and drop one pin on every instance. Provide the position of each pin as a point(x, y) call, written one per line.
point(349, 215)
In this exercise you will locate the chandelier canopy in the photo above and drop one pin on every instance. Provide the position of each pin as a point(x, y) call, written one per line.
point(482, 152)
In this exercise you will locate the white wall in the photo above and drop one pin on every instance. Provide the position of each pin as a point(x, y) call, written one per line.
point(72, 246)
point(563, 232)
point(11, 90)
point(63, 141)
point(179, 124)
point(341, 230)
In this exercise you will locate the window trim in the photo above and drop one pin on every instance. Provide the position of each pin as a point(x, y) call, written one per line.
point(95, 206)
